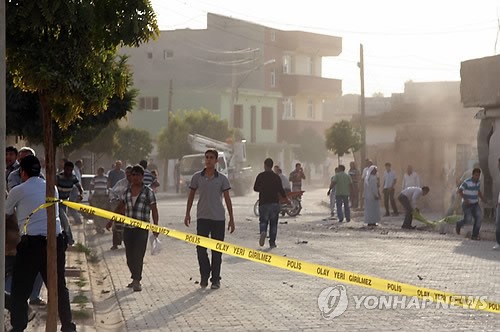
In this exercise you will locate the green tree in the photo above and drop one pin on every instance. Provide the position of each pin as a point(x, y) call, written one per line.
point(24, 116)
point(173, 140)
point(64, 51)
point(132, 145)
point(312, 146)
point(105, 142)
point(342, 138)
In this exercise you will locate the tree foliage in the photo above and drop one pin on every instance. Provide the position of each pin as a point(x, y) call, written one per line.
point(65, 51)
point(342, 138)
point(312, 146)
point(132, 145)
point(173, 140)
point(24, 117)
point(105, 142)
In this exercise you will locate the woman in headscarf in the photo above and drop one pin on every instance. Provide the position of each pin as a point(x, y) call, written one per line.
point(372, 197)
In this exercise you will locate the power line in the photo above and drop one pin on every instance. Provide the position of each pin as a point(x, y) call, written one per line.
point(485, 25)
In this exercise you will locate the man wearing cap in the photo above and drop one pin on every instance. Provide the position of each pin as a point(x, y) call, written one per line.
point(31, 256)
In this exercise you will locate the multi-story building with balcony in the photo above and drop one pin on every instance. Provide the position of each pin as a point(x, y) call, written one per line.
point(265, 82)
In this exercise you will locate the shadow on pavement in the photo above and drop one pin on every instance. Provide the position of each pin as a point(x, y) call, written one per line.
point(480, 249)
point(180, 306)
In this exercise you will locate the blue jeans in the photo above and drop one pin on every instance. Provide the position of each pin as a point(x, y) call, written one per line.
point(268, 214)
point(37, 286)
point(343, 199)
point(73, 197)
point(332, 203)
point(498, 224)
point(471, 211)
point(65, 223)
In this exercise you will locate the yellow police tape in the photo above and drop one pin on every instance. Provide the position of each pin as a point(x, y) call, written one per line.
point(322, 271)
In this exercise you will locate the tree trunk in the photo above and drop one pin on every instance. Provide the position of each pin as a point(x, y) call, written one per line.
point(50, 172)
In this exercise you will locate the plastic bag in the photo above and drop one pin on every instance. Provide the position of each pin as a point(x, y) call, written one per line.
point(155, 245)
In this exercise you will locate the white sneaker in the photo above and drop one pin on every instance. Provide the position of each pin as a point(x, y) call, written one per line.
point(496, 246)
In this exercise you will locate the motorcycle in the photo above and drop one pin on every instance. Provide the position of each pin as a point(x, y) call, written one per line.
point(292, 209)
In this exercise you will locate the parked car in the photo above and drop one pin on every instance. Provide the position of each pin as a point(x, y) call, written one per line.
point(86, 178)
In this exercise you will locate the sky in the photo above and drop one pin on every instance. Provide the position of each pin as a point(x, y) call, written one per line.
point(419, 40)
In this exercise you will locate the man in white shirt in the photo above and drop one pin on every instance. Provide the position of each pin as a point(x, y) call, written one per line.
point(31, 256)
point(389, 184)
point(115, 194)
point(408, 198)
point(368, 164)
point(410, 179)
point(284, 180)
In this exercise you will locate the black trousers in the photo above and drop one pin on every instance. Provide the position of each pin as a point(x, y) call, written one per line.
point(406, 204)
point(214, 229)
point(135, 241)
point(31, 259)
point(389, 196)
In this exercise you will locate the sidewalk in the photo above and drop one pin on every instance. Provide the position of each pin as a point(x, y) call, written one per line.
point(78, 283)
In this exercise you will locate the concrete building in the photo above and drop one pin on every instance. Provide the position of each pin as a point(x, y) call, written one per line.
point(265, 82)
point(480, 90)
point(428, 128)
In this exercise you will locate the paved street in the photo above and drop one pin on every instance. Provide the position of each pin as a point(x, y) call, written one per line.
point(258, 297)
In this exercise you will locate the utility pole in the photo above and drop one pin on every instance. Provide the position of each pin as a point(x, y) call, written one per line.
point(170, 94)
point(169, 117)
point(361, 66)
point(3, 91)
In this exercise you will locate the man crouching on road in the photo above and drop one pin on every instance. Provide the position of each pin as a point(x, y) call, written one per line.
point(210, 215)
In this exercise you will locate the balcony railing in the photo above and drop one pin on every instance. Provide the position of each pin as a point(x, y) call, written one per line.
point(292, 85)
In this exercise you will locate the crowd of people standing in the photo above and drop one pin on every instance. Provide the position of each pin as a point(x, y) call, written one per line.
point(347, 190)
point(129, 192)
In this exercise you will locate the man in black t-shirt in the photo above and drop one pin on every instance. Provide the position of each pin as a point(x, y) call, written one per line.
point(268, 185)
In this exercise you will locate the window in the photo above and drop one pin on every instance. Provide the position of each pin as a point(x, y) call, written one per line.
point(238, 116)
point(168, 54)
point(310, 109)
point(289, 112)
point(273, 35)
point(221, 164)
point(287, 62)
point(267, 118)
point(150, 55)
point(149, 104)
point(310, 63)
point(273, 78)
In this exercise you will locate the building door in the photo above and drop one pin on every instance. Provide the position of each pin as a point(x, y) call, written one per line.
point(253, 124)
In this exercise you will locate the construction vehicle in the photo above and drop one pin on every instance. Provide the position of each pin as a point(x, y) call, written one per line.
point(231, 162)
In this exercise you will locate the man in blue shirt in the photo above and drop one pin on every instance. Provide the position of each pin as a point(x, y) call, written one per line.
point(31, 256)
point(470, 191)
